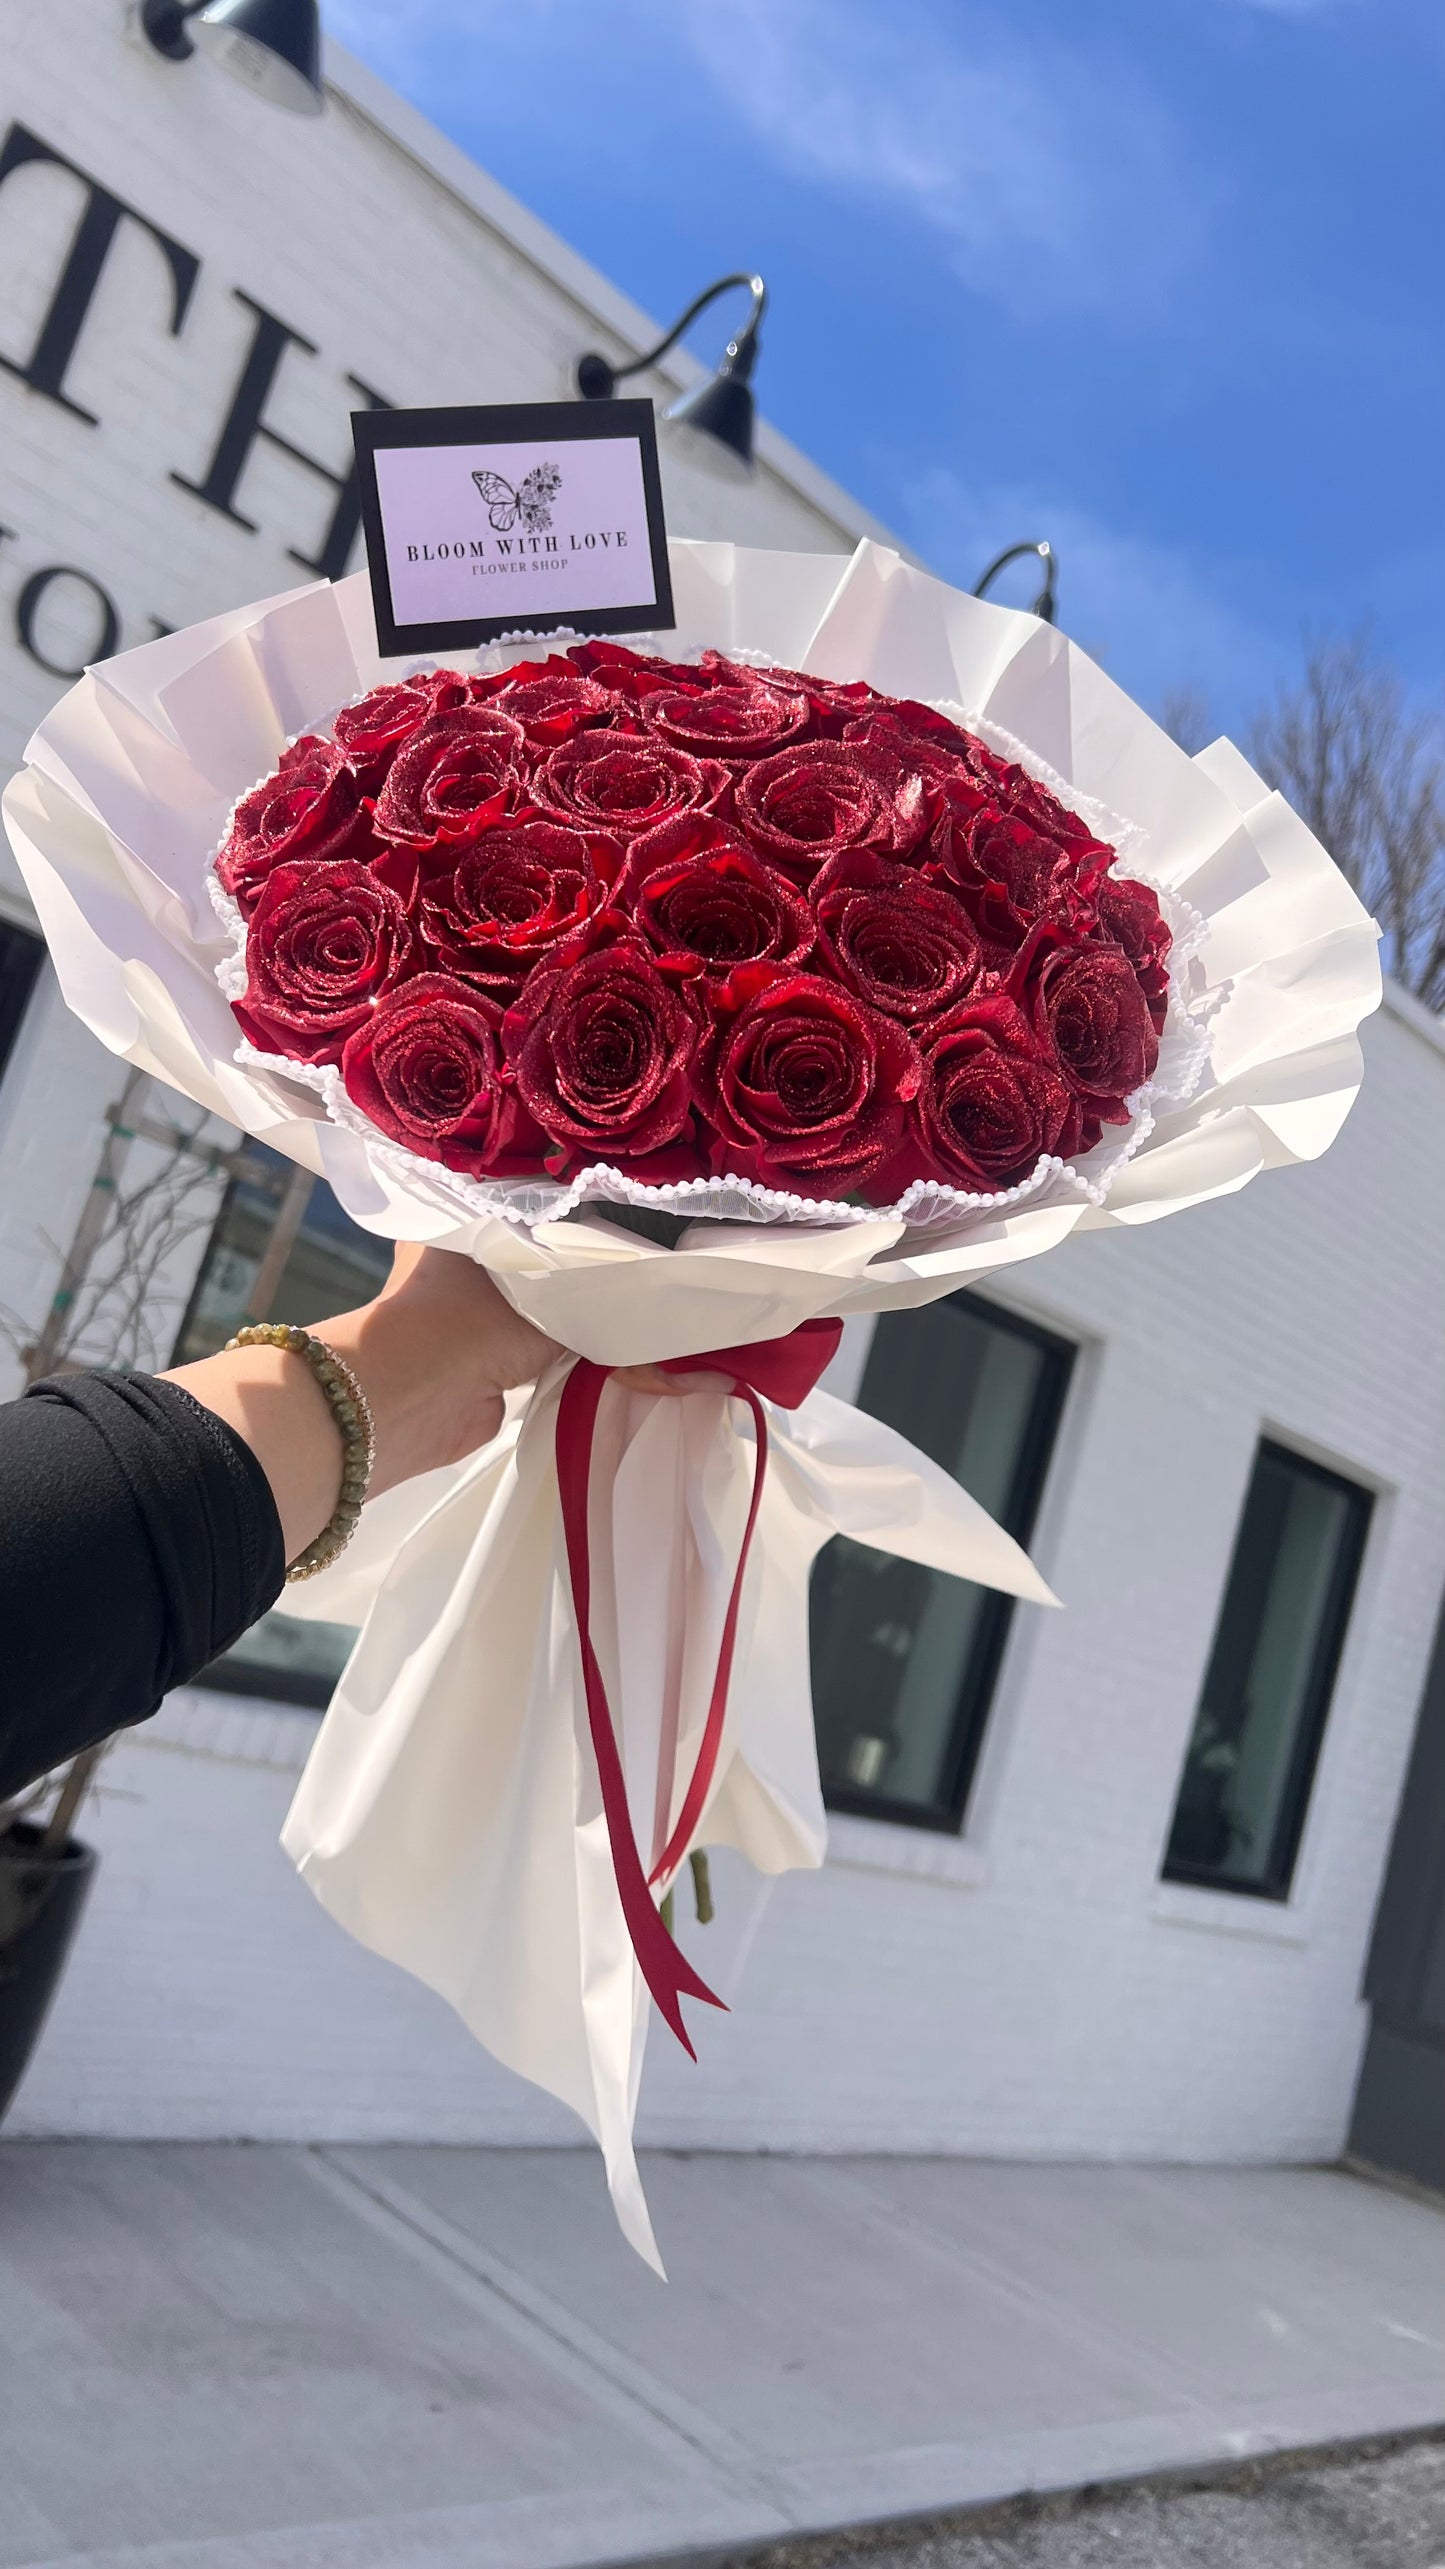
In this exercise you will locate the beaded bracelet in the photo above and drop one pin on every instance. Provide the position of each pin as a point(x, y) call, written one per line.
point(352, 1412)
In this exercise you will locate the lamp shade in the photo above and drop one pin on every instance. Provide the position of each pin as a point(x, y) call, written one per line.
point(272, 46)
point(713, 425)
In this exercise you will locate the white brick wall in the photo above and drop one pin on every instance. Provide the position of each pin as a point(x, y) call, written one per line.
point(1031, 1989)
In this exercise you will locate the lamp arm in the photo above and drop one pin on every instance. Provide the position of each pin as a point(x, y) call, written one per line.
point(1044, 604)
point(756, 288)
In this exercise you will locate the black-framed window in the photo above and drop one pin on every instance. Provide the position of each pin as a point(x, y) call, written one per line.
point(1251, 1758)
point(905, 1659)
point(21, 956)
point(283, 1249)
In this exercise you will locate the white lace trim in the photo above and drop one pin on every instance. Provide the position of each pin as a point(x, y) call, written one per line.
point(924, 1206)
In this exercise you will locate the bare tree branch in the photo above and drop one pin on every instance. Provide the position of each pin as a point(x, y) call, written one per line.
point(1184, 713)
point(1369, 777)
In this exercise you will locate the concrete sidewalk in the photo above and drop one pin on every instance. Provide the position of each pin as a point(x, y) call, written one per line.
point(219, 2357)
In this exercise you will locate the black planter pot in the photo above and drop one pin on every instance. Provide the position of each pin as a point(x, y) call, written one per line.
point(41, 1898)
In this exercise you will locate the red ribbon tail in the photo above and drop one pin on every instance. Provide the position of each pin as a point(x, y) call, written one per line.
point(781, 1369)
point(669, 1975)
point(707, 1756)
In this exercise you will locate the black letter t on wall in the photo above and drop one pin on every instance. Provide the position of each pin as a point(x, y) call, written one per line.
point(101, 216)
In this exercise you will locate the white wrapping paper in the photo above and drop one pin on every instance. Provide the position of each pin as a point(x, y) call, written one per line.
point(449, 1815)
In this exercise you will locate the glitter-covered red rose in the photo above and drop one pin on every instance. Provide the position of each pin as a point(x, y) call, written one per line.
point(992, 1104)
point(453, 778)
point(492, 908)
point(907, 947)
point(706, 902)
point(805, 1087)
point(737, 722)
point(624, 782)
point(911, 770)
point(1129, 913)
point(811, 803)
point(1003, 868)
point(602, 1049)
point(309, 812)
point(550, 699)
point(426, 1067)
point(324, 942)
point(1085, 1002)
point(371, 732)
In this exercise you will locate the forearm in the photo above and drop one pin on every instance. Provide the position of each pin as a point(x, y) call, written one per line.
point(138, 1539)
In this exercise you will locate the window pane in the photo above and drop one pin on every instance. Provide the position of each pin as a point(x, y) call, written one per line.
point(1266, 1691)
point(322, 1264)
point(329, 1265)
point(21, 956)
point(903, 1657)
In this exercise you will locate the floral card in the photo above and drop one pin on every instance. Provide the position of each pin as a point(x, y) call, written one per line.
point(523, 517)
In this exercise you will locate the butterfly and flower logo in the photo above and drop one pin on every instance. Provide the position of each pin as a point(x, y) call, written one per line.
point(529, 505)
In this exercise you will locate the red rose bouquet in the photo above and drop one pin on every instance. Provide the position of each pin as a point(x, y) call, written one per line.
point(671, 922)
point(866, 943)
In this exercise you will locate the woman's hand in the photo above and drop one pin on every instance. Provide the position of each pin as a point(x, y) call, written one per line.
point(434, 1353)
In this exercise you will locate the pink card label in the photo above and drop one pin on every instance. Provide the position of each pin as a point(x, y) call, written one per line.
point(479, 530)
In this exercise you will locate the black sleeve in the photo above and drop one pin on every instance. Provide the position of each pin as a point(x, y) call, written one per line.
point(138, 1538)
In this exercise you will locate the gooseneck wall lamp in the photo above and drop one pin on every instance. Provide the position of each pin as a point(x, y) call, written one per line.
point(272, 46)
point(1047, 599)
point(716, 420)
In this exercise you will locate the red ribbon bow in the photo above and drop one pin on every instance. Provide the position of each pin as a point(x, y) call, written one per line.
point(784, 1370)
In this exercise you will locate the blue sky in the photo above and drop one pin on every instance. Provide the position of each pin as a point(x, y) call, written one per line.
point(1159, 279)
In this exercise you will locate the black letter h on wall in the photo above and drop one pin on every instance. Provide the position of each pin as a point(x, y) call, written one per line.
point(245, 422)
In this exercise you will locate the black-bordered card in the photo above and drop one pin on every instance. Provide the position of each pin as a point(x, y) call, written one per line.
point(518, 516)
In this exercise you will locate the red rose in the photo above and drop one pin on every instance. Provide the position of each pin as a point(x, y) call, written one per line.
point(805, 1086)
point(1085, 1000)
point(1022, 795)
point(706, 902)
point(625, 783)
point(745, 720)
point(810, 803)
point(426, 1066)
point(449, 691)
point(831, 703)
point(628, 676)
point(309, 812)
point(372, 732)
point(550, 699)
point(323, 943)
point(453, 778)
point(602, 1051)
point(906, 946)
point(991, 1103)
point(1004, 868)
point(905, 753)
point(924, 723)
point(1129, 912)
point(495, 906)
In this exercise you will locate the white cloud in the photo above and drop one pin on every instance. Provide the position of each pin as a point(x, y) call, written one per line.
point(1044, 168)
point(1047, 168)
point(1145, 611)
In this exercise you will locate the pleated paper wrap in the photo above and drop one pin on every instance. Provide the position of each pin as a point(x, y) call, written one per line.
point(450, 1812)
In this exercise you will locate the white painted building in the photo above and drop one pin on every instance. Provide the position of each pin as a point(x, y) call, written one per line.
point(1049, 1925)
